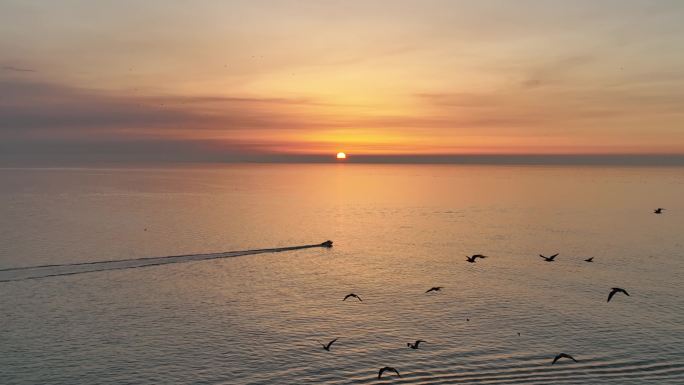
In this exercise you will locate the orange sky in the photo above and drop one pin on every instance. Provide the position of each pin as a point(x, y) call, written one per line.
point(382, 77)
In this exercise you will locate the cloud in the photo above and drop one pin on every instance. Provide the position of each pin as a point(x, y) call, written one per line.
point(35, 109)
point(555, 71)
point(17, 69)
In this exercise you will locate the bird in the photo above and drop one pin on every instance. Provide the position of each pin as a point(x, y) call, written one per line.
point(414, 345)
point(352, 295)
point(562, 355)
point(474, 257)
point(659, 210)
point(327, 347)
point(616, 290)
point(589, 259)
point(434, 288)
point(387, 368)
point(518, 334)
point(549, 259)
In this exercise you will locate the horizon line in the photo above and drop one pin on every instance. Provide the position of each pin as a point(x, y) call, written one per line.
point(456, 159)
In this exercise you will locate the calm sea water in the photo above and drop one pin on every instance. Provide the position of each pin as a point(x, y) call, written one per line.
point(398, 230)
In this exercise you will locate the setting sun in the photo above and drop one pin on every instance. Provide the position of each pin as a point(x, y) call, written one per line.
point(341, 155)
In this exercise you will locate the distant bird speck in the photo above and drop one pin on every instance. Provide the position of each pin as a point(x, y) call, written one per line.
point(352, 295)
point(387, 368)
point(549, 259)
point(434, 288)
point(615, 290)
point(659, 210)
point(589, 259)
point(414, 345)
point(562, 355)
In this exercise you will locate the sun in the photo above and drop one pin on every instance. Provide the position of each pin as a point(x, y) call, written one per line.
point(341, 155)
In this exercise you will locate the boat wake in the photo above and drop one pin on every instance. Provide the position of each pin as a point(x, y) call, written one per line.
point(57, 270)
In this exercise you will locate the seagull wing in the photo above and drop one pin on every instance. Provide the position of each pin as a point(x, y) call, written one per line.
point(567, 356)
point(611, 294)
point(330, 343)
point(382, 370)
point(553, 256)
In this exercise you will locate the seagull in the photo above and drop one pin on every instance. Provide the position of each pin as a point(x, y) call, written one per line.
point(435, 288)
point(616, 290)
point(474, 257)
point(659, 210)
point(387, 368)
point(327, 347)
point(352, 295)
point(549, 259)
point(589, 259)
point(562, 355)
point(414, 345)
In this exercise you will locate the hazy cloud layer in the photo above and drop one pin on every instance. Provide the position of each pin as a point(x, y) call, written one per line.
point(262, 80)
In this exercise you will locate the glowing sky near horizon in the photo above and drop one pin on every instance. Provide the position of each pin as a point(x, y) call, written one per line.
point(364, 77)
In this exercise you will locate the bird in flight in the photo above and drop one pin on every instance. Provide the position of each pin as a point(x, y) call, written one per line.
point(387, 368)
point(659, 210)
point(549, 259)
point(589, 259)
point(435, 288)
point(473, 258)
point(616, 290)
point(562, 355)
point(327, 347)
point(352, 295)
point(414, 345)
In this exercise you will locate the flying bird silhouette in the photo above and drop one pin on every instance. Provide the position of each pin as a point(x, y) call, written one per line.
point(659, 210)
point(327, 347)
point(589, 259)
point(473, 258)
point(414, 345)
point(387, 368)
point(352, 295)
point(616, 290)
point(549, 259)
point(434, 288)
point(562, 355)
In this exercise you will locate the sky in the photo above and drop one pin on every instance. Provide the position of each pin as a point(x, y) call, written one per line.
point(82, 81)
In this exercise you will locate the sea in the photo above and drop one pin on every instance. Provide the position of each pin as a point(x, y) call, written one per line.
point(139, 275)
